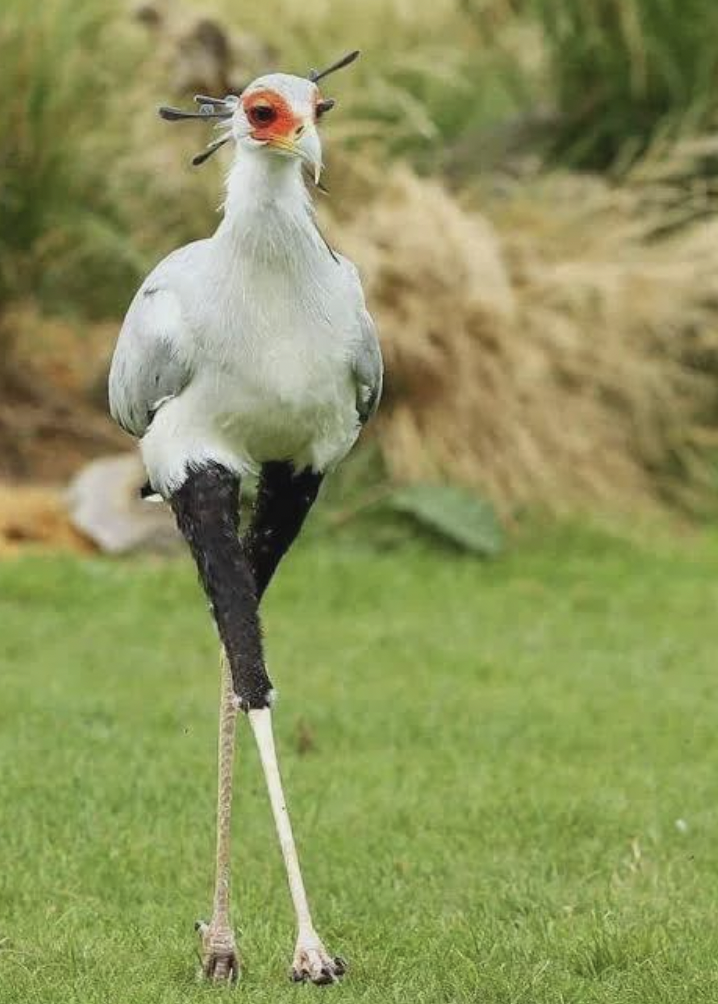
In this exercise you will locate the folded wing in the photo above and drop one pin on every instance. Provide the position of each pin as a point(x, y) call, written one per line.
point(148, 367)
point(368, 368)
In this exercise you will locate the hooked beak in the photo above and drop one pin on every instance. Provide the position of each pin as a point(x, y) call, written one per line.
point(305, 145)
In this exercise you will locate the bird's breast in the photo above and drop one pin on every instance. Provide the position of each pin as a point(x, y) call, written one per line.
point(281, 382)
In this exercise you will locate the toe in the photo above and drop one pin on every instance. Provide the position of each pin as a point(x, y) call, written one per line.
point(221, 971)
point(319, 972)
point(234, 969)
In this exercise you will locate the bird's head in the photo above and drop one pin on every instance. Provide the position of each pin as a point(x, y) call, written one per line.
point(276, 114)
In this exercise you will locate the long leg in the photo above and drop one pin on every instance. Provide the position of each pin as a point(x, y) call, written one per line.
point(207, 512)
point(233, 575)
point(311, 959)
point(283, 500)
point(220, 959)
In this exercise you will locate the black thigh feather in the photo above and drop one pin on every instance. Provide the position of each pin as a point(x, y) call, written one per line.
point(283, 500)
point(207, 511)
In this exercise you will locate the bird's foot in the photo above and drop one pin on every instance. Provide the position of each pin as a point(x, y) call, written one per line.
point(220, 958)
point(312, 963)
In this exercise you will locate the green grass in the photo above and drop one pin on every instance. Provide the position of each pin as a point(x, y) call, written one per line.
point(499, 755)
point(626, 72)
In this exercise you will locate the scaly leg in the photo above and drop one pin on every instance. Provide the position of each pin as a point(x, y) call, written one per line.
point(283, 501)
point(220, 959)
point(311, 959)
point(207, 510)
point(234, 575)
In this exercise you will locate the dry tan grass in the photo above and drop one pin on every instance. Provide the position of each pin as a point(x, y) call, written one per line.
point(53, 395)
point(546, 351)
point(554, 355)
point(552, 350)
point(36, 518)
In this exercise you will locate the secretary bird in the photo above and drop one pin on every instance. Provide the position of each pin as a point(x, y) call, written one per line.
point(250, 352)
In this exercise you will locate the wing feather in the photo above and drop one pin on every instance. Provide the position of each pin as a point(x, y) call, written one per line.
point(148, 367)
point(368, 368)
point(366, 360)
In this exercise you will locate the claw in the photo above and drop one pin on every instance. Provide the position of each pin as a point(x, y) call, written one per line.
point(219, 958)
point(313, 964)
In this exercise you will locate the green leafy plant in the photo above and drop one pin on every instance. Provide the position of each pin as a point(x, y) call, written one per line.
point(454, 515)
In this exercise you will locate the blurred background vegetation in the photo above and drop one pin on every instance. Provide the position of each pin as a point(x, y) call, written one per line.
point(527, 185)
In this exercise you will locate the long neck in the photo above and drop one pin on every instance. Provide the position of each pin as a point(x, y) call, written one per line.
point(268, 215)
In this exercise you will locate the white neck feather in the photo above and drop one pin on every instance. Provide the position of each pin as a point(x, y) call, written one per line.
point(268, 214)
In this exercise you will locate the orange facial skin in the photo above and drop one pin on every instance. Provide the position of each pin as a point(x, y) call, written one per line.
point(270, 116)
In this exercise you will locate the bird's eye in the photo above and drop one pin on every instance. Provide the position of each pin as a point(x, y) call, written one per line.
point(262, 115)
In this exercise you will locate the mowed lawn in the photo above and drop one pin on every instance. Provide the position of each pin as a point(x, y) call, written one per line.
point(503, 776)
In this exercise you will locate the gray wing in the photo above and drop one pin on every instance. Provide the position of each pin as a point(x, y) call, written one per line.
point(368, 368)
point(148, 367)
point(366, 361)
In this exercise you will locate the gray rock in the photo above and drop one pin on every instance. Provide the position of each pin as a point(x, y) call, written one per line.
point(104, 504)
